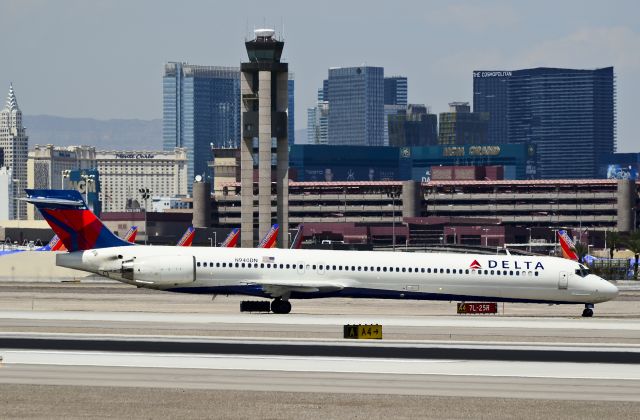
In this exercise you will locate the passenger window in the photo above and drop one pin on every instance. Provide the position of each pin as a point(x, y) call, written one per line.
point(492, 272)
point(486, 272)
point(204, 264)
point(454, 271)
point(359, 268)
point(224, 265)
point(313, 266)
point(287, 265)
point(255, 265)
point(333, 268)
point(441, 270)
point(498, 272)
point(511, 272)
point(517, 273)
point(339, 268)
point(384, 269)
point(217, 265)
point(409, 269)
point(198, 264)
point(281, 266)
point(536, 274)
point(353, 268)
point(448, 271)
point(377, 268)
point(397, 269)
point(428, 270)
point(268, 265)
point(466, 271)
point(242, 265)
point(366, 268)
point(261, 265)
point(320, 266)
point(422, 270)
point(237, 265)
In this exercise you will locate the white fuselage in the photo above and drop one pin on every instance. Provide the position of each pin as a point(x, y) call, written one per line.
point(319, 273)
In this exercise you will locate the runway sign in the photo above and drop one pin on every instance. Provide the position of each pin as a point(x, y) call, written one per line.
point(477, 308)
point(363, 332)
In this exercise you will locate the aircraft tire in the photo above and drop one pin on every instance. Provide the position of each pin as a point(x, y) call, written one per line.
point(280, 306)
point(587, 313)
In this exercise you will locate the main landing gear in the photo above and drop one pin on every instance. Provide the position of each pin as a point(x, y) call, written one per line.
point(279, 306)
point(588, 310)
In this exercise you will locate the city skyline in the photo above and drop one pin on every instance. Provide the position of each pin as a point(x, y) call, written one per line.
point(68, 65)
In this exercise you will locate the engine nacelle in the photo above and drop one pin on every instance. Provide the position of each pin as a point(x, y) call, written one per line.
point(163, 270)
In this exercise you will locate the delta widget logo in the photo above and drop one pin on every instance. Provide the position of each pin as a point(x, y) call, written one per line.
point(475, 265)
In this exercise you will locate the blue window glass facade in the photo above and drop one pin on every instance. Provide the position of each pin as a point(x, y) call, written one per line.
point(356, 106)
point(568, 114)
point(201, 106)
point(395, 90)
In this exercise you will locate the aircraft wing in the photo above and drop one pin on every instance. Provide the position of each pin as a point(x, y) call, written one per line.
point(280, 288)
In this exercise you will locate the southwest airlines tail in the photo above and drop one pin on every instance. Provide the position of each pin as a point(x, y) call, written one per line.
point(568, 248)
point(269, 241)
point(187, 238)
point(69, 217)
point(232, 239)
point(131, 234)
point(55, 244)
point(297, 240)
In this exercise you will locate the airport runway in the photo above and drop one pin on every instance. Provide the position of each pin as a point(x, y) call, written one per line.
point(466, 383)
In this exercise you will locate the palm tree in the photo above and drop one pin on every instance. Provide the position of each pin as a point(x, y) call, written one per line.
point(581, 250)
point(633, 243)
point(613, 239)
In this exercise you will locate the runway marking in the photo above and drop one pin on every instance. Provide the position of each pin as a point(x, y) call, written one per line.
point(328, 364)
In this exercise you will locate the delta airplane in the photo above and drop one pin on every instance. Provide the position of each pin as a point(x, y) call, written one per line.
point(284, 274)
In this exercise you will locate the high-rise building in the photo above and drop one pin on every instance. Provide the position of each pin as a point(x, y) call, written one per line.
point(5, 192)
point(417, 126)
point(201, 109)
point(201, 106)
point(461, 126)
point(356, 106)
point(568, 114)
point(14, 144)
point(318, 120)
point(395, 90)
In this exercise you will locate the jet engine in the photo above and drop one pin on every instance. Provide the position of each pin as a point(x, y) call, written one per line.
point(163, 270)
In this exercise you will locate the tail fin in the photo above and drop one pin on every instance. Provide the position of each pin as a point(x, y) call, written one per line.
point(568, 248)
point(232, 239)
point(269, 240)
point(130, 236)
point(297, 240)
point(55, 244)
point(76, 225)
point(187, 238)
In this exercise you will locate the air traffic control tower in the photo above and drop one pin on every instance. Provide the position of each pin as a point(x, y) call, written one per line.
point(263, 85)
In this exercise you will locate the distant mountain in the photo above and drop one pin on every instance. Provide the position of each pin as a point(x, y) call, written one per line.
point(103, 134)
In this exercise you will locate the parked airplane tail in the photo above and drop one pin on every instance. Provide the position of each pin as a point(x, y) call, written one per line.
point(130, 236)
point(187, 238)
point(73, 222)
point(568, 248)
point(55, 244)
point(270, 239)
point(297, 240)
point(232, 239)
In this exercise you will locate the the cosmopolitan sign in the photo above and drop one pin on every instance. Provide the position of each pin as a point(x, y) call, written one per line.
point(135, 156)
point(491, 74)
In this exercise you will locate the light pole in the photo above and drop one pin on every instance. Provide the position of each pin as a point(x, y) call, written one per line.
point(485, 230)
point(65, 174)
point(393, 194)
point(210, 242)
point(146, 193)
point(529, 229)
point(88, 179)
point(455, 240)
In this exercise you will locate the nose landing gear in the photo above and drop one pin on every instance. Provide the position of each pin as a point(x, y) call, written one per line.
point(279, 306)
point(588, 310)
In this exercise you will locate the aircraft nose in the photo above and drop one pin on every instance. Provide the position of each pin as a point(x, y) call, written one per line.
point(608, 290)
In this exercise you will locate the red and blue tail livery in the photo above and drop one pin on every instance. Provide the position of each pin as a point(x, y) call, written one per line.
point(567, 246)
point(269, 240)
point(130, 236)
point(70, 218)
point(232, 239)
point(187, 238)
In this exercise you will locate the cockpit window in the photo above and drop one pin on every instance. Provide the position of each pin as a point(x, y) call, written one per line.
point(582, 270)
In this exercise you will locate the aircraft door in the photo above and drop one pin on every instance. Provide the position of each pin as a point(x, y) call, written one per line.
point(563, 281)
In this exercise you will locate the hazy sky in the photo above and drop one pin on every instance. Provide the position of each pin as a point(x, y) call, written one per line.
point(105, 59)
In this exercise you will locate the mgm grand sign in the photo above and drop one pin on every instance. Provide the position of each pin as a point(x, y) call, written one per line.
point(471, 151)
